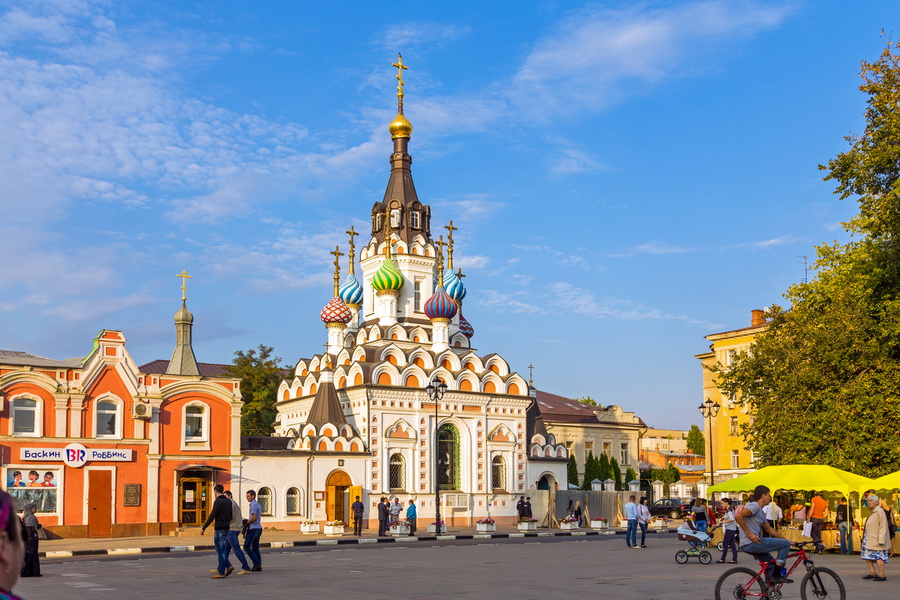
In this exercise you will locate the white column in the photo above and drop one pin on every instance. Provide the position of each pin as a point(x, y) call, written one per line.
point(440, 331)
point(388, 301)
point(335, 337)
point(353, 325)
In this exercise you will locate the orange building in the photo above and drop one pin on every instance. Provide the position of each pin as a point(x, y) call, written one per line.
point(107, 448)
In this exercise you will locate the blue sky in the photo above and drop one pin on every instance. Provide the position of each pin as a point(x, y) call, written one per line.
point(627, 177)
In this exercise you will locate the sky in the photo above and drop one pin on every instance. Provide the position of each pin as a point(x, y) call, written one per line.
point(626, 177)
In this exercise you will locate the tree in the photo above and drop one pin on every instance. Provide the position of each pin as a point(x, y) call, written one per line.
point(587, 400)
point(616, 472)
point(572, 470)
point(696, 442)
point(604, 471)
point(668, 476)
point(630, 476)
point(260, 375)
point(591, 470)
point(823, 381)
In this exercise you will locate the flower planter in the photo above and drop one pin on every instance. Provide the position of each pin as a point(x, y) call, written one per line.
point(485, 527)
point(623, 523)
point(568, 526)
point(434, 529)
point(599, 525)
point(659, 525)
point(527, 526)
point(309, 528)
point(400, 530)
point(334, 530)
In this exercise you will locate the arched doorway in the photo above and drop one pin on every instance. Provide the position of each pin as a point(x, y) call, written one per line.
point(547, 482)
point(335, 491)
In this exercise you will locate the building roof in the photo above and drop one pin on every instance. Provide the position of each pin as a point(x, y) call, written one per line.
point(560, 409)
point(206, 369)
point(13, 357)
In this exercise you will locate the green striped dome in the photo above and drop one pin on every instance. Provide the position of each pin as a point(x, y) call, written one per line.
point(388, 277)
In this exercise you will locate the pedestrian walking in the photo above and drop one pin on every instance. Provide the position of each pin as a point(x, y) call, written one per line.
point(221, 516)
point(577, 513)
point(729, 526)
point(384, 514)
point(12, 547)
point(876, 541)
point(254, 532)
point(631, 515)
point(358, 509)
point(31, 567)
point(643, 519)
point(843, 525)
point(234, 542)
point(818, 512)
point(411, 515)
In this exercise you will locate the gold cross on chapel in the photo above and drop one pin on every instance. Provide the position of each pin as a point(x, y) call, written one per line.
point(400, 68)
point(451, 229)
point(184, 277)
point(337, 267)
point(352, 235)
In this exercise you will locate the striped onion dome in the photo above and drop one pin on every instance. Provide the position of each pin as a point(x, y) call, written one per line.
point(440, 305)
point(388, 277)
point(351, 292)
point(336, 312)
point(465, 327)
point(454, 286)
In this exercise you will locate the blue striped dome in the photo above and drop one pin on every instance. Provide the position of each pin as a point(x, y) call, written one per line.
point(441, 305)
point(350, 291)
point(454, 286)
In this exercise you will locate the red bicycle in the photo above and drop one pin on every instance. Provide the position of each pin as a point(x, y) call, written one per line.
point(742, 583)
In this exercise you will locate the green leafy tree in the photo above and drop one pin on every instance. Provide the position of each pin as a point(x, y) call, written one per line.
point(668, 476)
point(630, 476)
point(823, 380)
point(616, 472)
point(572, 470)
point(260, 375)
point(604, 471)
point(587, 400)
point(591, 470)
point(696, 443)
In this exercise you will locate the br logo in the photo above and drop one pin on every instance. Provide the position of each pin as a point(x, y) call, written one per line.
point(75, 455)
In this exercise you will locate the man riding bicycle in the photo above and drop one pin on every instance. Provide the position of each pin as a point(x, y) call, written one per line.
point(752, 522)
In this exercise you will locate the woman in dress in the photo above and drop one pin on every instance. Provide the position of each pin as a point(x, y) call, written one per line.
point(876, 541)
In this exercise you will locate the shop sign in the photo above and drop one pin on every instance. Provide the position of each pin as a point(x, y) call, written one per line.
point(75, 455)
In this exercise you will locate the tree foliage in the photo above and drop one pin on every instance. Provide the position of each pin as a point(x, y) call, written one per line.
point(616, 472)
point(572, 470)
point(587, 400)
point(604, 471)
point(591, 468)
point(260, 375)
point(696, 442)
point(823, 381)
point(630, 476)
point(668, 476)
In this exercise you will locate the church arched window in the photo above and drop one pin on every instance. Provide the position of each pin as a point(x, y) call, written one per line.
point(293, 501)
point(498, 473)
point(448, 458)
point(397, 476)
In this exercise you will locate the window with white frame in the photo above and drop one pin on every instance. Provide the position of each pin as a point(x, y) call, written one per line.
point(397, 475)
point(26, 416)
point(607, 449)
point(264, 497)
point(623, 453)
point(588, 449)
point(414, 219)
point(293, 501)
point(734, 425)
point(108, 419)
point(418, 295)
point(730, 356)
point(498, 473)
point(735, 460)
point(196, 423)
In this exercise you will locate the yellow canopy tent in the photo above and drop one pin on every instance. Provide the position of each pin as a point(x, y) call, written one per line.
point(888, 482)
point(798, 477)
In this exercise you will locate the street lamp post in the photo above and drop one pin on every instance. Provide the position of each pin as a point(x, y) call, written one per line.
point(709, 410)
point(436, 389)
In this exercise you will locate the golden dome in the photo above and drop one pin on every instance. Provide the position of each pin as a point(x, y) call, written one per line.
point(400, 127)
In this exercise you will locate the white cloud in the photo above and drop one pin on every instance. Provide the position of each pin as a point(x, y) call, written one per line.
point(569, 161)
point(770, 243)
point(471, 262)
point(507, 302)
point(413, 36)
point(596, 56)
point(657, 248)
point(561, 258)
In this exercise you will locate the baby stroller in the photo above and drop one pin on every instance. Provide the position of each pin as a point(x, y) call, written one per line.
point(698, 541)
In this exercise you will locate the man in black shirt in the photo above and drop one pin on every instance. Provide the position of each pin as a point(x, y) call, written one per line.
point(843, 527)
point(221, 514)
point(383, 514)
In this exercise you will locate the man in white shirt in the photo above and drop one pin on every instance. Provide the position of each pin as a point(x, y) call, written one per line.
point(631, 513)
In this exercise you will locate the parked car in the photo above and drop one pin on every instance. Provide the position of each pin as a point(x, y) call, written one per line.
point(672, 508)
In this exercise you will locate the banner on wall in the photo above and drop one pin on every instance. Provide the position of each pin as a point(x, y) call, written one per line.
point(75, 455)
point(32, 486)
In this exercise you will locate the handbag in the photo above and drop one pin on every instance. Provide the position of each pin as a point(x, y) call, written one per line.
point(41, 534)
point(807, 529)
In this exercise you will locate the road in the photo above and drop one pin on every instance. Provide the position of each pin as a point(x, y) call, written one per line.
point(519, 569)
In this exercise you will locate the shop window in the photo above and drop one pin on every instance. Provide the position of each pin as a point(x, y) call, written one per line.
point(498, 473)
point(264, 497)
point(108, 419)
point(25, 414)
point(293, 501)
point(196, 423)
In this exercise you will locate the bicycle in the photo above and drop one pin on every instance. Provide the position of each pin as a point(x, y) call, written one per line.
point(819, 583)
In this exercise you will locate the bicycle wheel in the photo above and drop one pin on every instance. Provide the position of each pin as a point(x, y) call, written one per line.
point(705, 558)
point(721, 546)
point(734, 584)
point(821, 583)
point(681, 557)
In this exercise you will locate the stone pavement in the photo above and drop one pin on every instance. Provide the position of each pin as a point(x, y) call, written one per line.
point(496, 568)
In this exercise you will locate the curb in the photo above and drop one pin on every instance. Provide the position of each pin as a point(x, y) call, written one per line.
point(329, 542)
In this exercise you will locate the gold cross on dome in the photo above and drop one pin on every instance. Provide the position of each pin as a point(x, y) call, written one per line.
point(451, 229)
point(530, 374)
point(400, 68)
point(337, 267)
point(352, 235)
point(184, 277)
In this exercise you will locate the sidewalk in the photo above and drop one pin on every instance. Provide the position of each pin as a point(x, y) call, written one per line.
point(280, 539)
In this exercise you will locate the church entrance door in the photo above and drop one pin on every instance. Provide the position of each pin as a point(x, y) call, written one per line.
point(335, 496)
